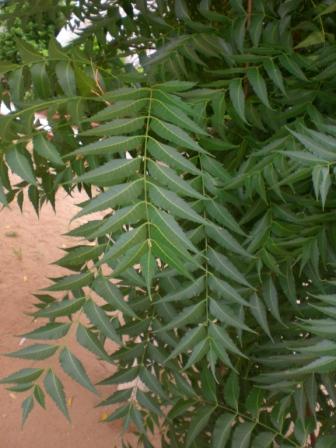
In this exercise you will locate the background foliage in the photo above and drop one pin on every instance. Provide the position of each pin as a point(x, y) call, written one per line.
point(206, 133)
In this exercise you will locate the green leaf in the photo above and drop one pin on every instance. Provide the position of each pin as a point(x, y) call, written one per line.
point(100, 320)
point(121, 376)
point(232, 390)
point(174, 115)
point(40, 80)
point(171, 229)
point(218, 333)
point(88, 340)
point(55, 390)
point(152, 382)
point(20, 387)
point(75, 281)
point(85, 230)
point(79, 255)
point(198, 423)
point(175, 86)
point(36, 352)
point(19, 162)
point(222, 429)
point(270, 296)
point(311, 391)
point(183, 387)
point(325, 441)
point(192, 289)
point(27, 52)
point(53, 330)
point(328, 10)
point(263, 440)
point(66, 77)
point(226, 315)
point(34, 197)
point(169, 155)
point(22, 376)
point(55, 50)
point(324, 364)
point(325, 185)
point(148, 268)
point(110, 172)
point(238, 29)
point(220, 214)
point(316, 147)
point(148, 403)
point(181, 10)
point(292, 67)
point(256, 27)
point(259, 313)
point(47, 150)
point(169, 246)
point(226, 291)
point(112, 295)
point(118, 397)
point(117, 195)
point(167, 254)
point(189, 340)
point(274, 74)
point(237, 97)
point(304, 157)
point(39, 395)
point(74, 368)
point(127, 93)
point(131, 257)
point(3, 198)
point(120, 109)
point(189, 314)
point(167, 177)
point(126, 215)
point(27, 406)
point(242, 435)
point(173, 203)
point(126, 241)
point(222, 237)
point(119, 413)
point(259, 85)
point(118, 126)
point(209, 387)
point(198, 353)
point(254, 401)
point(63, 308)
point(174, 134)
point(110, 146)
point(7, 66)
point(223, 265)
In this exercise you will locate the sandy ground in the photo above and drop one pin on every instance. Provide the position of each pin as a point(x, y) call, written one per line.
point(28, 245)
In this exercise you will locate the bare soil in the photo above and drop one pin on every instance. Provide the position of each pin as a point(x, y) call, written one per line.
point(28, 245)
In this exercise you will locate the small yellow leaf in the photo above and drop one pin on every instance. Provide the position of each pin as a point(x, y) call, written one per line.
point(103, 416)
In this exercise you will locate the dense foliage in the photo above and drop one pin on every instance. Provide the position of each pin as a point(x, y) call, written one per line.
point(205, 135)
point(36, 29)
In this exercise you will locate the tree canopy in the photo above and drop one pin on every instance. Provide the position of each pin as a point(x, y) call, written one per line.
point(204, 133)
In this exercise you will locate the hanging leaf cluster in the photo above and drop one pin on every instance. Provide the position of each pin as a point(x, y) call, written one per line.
point(204, 136)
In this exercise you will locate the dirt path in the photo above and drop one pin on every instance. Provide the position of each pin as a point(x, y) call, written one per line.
point(28, 245)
